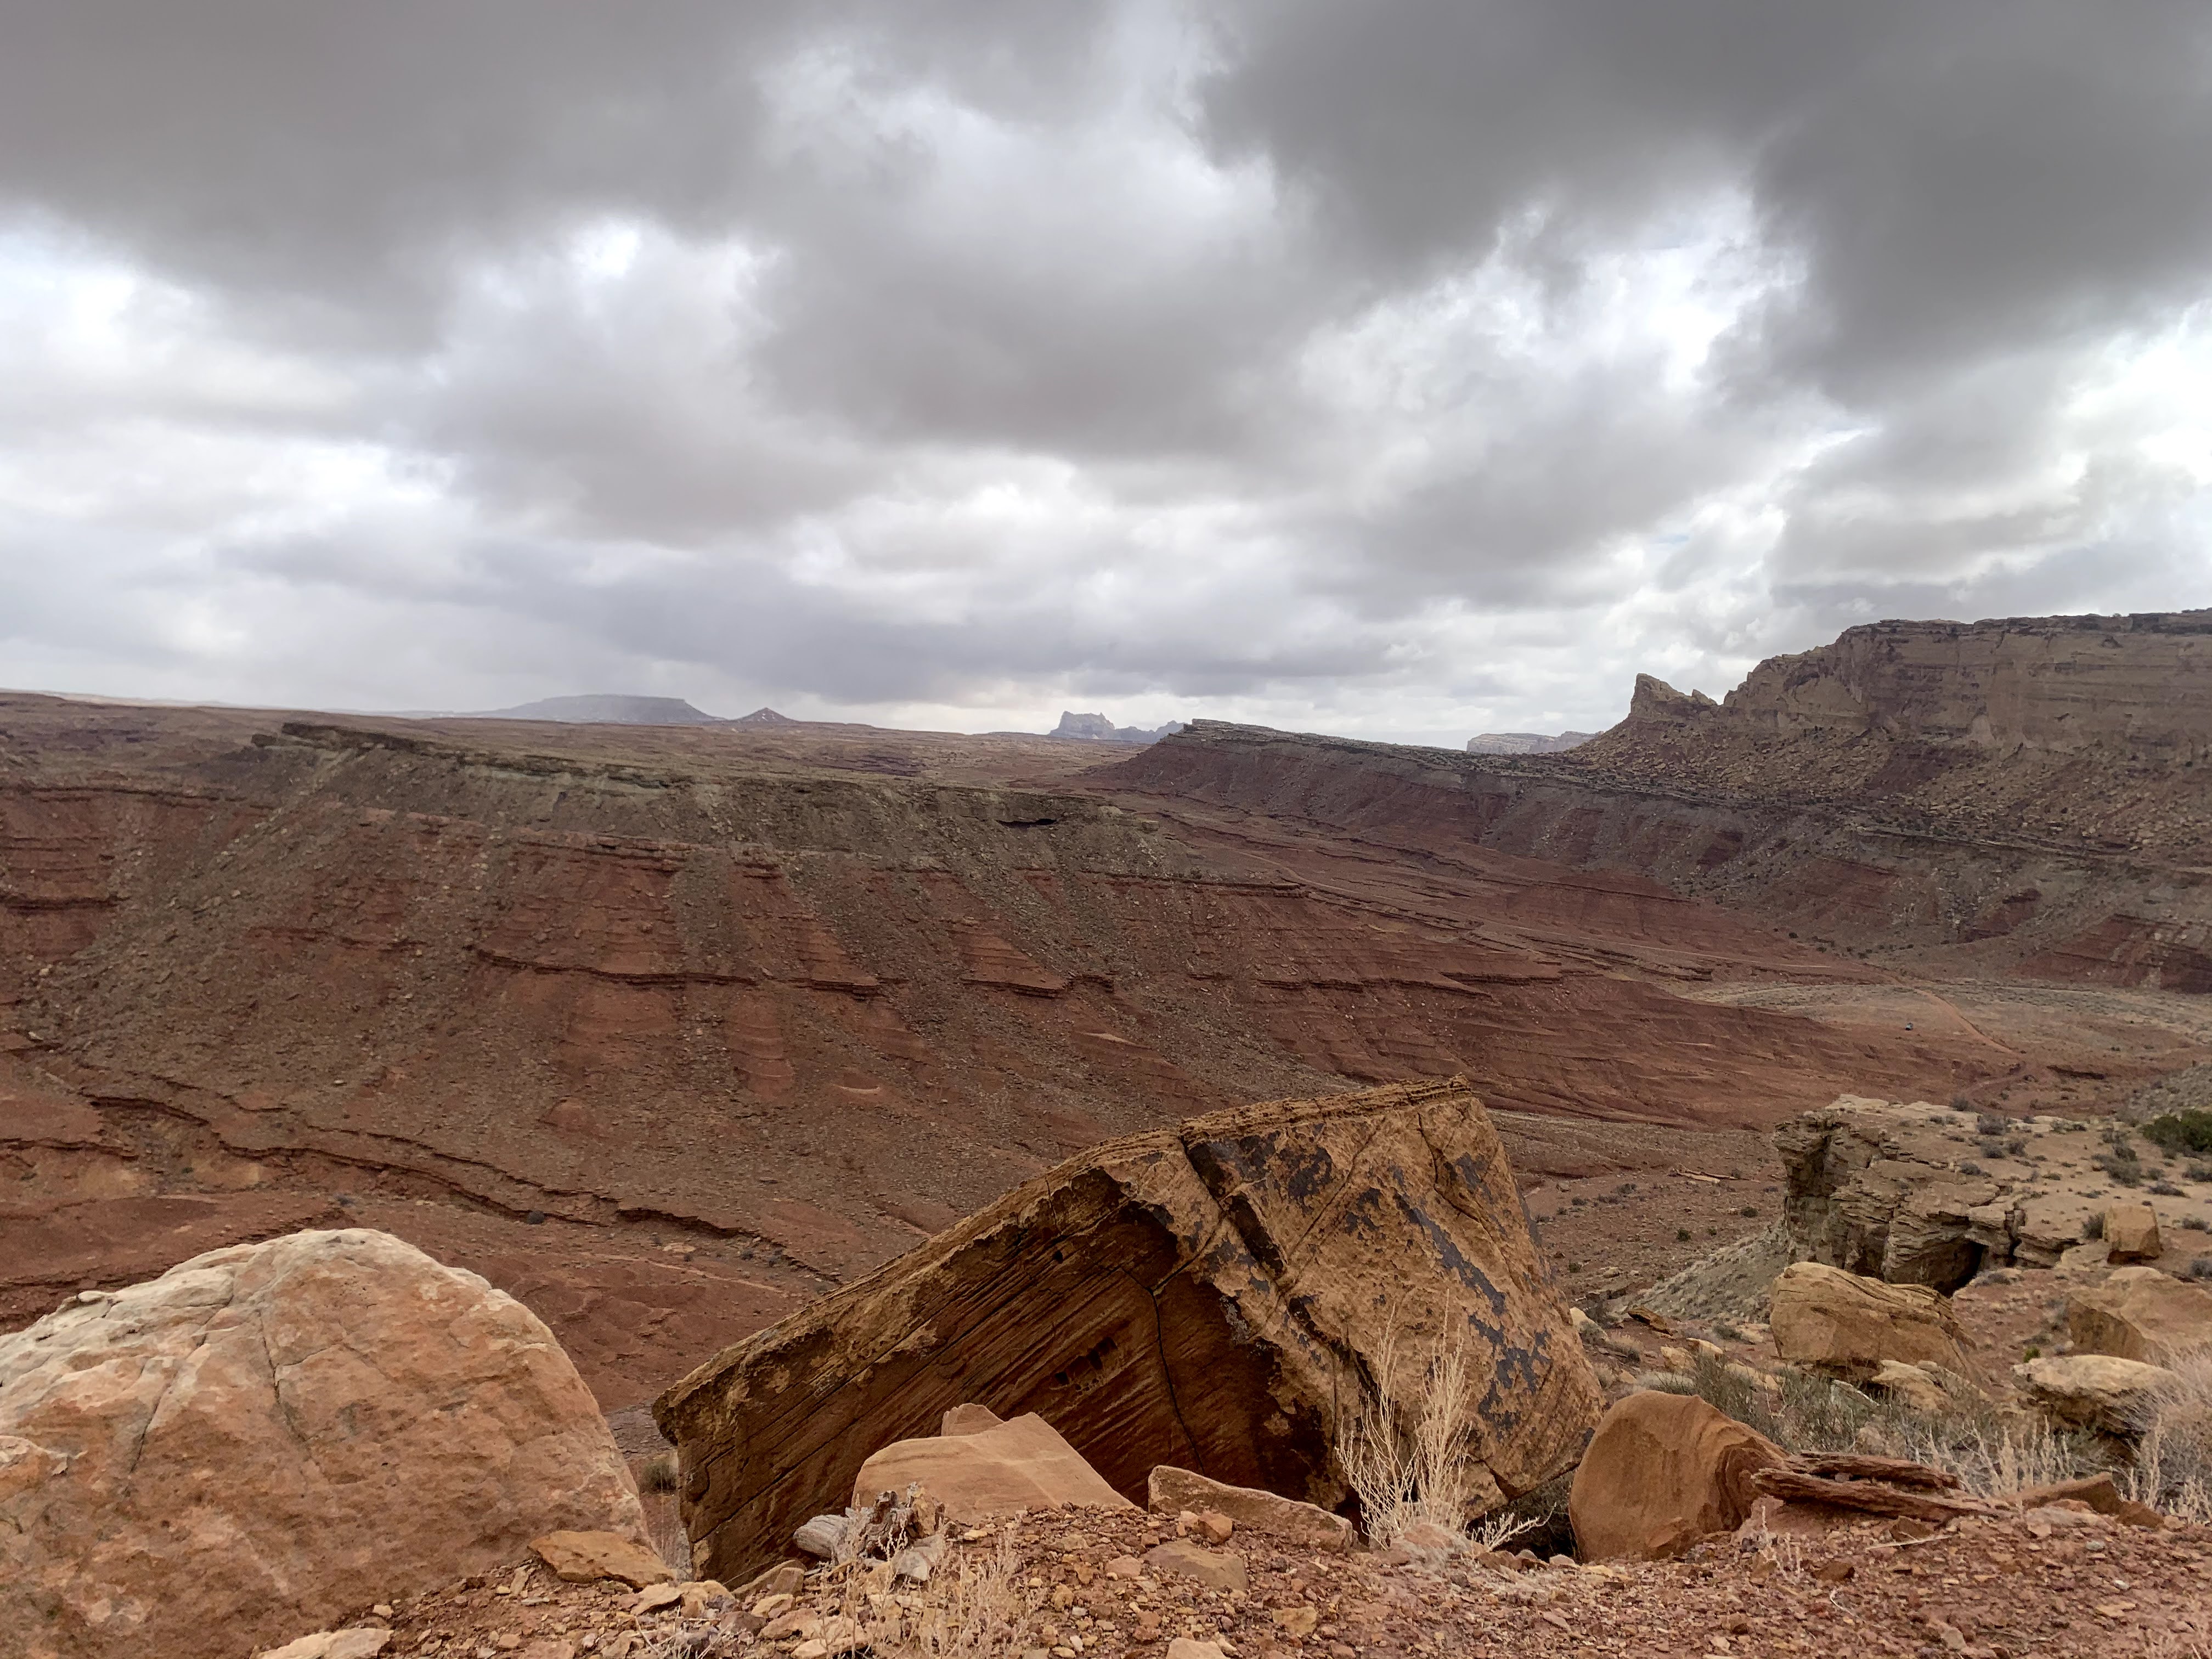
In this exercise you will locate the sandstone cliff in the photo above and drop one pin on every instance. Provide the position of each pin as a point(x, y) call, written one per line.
point(2082, 731)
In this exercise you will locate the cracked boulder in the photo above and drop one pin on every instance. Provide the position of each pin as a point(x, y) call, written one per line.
point(1205, 1296)
point(272, 1436)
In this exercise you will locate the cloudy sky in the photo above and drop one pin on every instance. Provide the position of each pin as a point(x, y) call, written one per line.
point(1404, 370)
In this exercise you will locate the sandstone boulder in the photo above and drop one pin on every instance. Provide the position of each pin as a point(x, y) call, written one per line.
point(2140, 1313)
point(2096, 1391)
point(2130, 1233)
point(270, 1436)
point(2099, 1492)
point(994, 1471)
point(1215, 1569)
point(1913, 1387)
point(1207, 1296)
point(1170, 1490)
point(1663, 1471)
point(1844, 1325)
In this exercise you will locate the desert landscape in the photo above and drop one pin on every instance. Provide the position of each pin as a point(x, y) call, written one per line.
point(684, 1037)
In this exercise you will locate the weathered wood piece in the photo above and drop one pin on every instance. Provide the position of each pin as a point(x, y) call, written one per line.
point(1793, 1487)
point(1207, 1296)
point(1897, 1471)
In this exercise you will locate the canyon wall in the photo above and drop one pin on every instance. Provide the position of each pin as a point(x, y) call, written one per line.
point(668, 1036)
point(1810, 853)
point(2138, 685)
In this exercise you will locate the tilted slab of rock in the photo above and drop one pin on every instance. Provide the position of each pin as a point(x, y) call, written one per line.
point(268, 1437)
point(1170, 1491)
point(1204, 1297)
point(2140, 1313)
point(1917, 1195)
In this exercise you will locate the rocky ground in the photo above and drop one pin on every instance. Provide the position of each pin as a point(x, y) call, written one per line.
point(2054, 1584)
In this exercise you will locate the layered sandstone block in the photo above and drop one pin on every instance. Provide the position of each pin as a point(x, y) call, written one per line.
point(1205, 1296)
point(2140, 1314)
point(271, 1437)
point(1664, 1471)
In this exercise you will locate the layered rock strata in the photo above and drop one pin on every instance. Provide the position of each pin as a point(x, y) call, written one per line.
point(1842, 1325)
point(1209, 1296)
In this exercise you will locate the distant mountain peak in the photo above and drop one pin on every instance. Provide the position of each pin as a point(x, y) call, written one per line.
point(606, 709)
point(764, 717)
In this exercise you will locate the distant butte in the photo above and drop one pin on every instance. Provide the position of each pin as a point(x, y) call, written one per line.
point(1527, 743)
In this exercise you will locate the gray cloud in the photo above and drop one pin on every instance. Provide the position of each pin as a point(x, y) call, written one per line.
point(1400, 368)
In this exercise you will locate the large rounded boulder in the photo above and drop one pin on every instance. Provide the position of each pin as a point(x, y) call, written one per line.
point(270, 1436)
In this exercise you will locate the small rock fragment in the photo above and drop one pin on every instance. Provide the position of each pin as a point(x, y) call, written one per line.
point(654, 1597)
point(1214, 1569)
point(583, 1557)
point(916, 1562)
point(361, 1642)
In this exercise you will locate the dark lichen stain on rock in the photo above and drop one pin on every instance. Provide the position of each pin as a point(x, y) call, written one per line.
point(1201, 1296)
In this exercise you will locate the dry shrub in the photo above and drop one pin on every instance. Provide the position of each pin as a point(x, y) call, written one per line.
point(658, 1473)
point(1422, 1470)
point(2173, 1467)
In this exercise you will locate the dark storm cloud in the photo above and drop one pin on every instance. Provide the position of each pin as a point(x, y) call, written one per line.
point(1281, 357)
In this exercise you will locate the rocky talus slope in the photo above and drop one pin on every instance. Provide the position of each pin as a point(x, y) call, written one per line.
point(2062, 1584)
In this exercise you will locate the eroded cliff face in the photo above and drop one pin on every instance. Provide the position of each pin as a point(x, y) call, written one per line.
point(2140, 686)
point(2086, 733)
point(1862, 872)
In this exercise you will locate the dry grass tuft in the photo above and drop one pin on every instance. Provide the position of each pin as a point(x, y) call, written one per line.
point(2173, 1467)
point(1992, 1452)
point(975, 1609)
